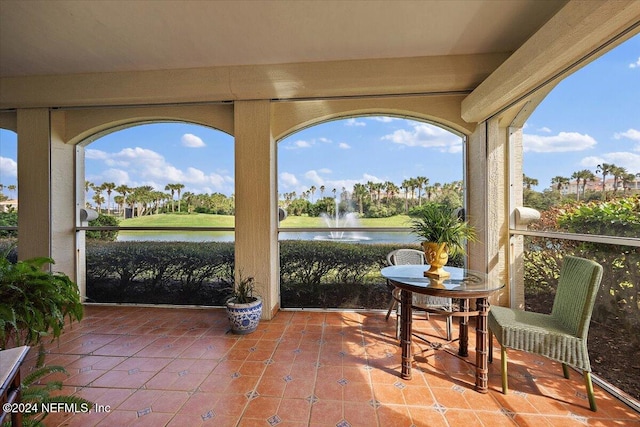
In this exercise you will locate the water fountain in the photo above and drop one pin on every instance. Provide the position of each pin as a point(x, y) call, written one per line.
point(345, 220)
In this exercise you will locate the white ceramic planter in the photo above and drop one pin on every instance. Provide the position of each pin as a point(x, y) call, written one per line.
point(244, 318)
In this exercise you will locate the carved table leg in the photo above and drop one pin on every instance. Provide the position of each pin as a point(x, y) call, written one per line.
point(482, 369)
point(405, 332)
point(463, 349)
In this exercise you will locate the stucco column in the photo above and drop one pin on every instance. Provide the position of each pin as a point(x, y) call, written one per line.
point(487, 168)
point(46, 211)
point(256, 246)
point(63, 203)
point(34, 183)
point(516, 242)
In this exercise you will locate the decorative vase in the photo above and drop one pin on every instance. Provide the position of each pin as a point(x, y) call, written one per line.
point(436, 255)
point(244, 318)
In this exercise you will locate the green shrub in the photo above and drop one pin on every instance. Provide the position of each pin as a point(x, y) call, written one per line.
point(318, 274)
point(8, 219)
point(103, 221)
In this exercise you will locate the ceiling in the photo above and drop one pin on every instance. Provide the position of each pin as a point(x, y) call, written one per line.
point(69, 37)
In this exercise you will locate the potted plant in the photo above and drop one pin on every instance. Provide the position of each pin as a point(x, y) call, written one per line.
point(244, 309)
point(443, 233)
point(34, 304)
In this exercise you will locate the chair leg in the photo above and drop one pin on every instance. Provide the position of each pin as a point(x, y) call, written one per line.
point(449, 328)
point(565, 370)
point(590, 394)
point(392, 304)
point(503, 361)
point(490, 346)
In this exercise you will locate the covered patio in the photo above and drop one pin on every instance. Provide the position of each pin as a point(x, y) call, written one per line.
point(178, 367)
point(71, 72)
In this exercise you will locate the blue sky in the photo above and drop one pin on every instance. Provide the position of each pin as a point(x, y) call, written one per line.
point(591, 117)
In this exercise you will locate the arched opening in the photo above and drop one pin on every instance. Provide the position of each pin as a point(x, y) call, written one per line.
point(8, 191)
point(349, 187)
point(582, 173)
point(168, 189)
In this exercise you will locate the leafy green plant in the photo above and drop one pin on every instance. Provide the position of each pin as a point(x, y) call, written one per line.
point(243, 289)
point(34, 303)
point(35, 393)
point(439, 223)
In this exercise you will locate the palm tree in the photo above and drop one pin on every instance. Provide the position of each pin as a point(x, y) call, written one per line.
point(405, 186)
point(529, 182)
point(618, 173)
point(124, 190)
point(583, 175)
point(108, 187)
point(421, 181)
point(322, 188)
point(391, 190)
point(12, 188)
point(179, 188)
point(87, 186)
point(172, 188)
point(119, 200)
point(312, 190)
point(627, 179)
point(604, 169)
point(559, 181)
point(360, 192)
point(97, 197)
point(188, 198)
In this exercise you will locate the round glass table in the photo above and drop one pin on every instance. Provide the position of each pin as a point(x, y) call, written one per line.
point(463, 285)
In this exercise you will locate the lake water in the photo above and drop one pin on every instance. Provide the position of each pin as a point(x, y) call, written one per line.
point(228, 236)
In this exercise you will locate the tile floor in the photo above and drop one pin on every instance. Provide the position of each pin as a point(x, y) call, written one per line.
point(180, 367)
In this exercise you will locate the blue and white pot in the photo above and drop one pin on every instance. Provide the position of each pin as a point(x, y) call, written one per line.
point(244, 318)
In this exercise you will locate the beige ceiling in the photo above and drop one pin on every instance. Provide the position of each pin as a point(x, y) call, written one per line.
point(67, 37)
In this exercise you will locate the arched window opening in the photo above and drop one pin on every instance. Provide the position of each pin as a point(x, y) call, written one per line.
point(163, 194)
point(8, 192)
point(581, 165)
point(349, 188)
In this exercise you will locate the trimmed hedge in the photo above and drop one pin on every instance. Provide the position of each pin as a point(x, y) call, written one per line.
point(312, 274)
point(182, 273)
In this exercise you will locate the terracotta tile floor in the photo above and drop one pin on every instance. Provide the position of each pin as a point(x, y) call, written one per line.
point(180, 367)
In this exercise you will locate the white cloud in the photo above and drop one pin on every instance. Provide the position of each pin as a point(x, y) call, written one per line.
point(139, 166)
point(562, 142)
point(117, 176)
point(288, 180)
point(314, 177)
point(635, 64)
point(627, 160)
point(544, 129)
point(383, 119)
point(632, 134)
point(367, 177)
point(354, 122)
point(344, 146)
point(192, 141)
point(9, 167)
point(428, 136)
point(92, 154)
point(298, 144)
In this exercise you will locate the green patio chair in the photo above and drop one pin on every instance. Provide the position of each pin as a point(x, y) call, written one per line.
point(561, 335)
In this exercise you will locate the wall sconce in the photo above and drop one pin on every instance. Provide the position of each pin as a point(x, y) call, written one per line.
point(87, 215)
point(525, 216)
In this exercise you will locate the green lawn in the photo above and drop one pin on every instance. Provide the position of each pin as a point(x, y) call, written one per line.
point(206, 220)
